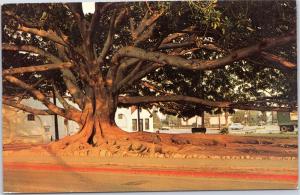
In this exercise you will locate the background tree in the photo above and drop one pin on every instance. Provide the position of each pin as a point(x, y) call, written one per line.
point(183, 57)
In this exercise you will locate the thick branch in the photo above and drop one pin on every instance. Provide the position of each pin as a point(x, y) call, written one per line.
point(68, 76)
point(109, 38)
point(118, 83)
point(95, 19)
point(74, 90)
point(201, 64)
point(62, 100)
point(147, 22)
point(21, 96)
point(119, 70)
point(130, 78)
point(32, 49)
point(71, 114)
point(49, 34)
point(176, 45)
point(76, 9)
point(213, 104)
point(280, 60)
point(39, 95)
point(172, 98)
point(39, 68)
point(171, 37)
point(27, 108)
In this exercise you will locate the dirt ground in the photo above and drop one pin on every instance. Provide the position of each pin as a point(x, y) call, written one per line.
point(203, 162)
point(195, 146)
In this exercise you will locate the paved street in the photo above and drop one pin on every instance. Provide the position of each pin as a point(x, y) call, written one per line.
point(78, 174)
point(59, 179)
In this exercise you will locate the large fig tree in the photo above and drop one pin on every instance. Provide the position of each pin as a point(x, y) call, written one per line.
point(182, 57)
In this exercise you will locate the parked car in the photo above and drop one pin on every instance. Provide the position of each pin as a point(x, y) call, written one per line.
point(198, 130)
point(236, 126)
point(287, 121)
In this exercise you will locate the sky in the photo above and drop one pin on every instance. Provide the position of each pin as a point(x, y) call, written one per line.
point(88, 7)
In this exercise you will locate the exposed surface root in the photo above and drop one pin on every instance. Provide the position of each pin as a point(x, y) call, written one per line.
point(169, 146)
point(125, 144)
point(143, 144)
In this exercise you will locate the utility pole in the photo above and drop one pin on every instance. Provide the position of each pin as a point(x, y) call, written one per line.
point(272, 114)
point(138, 118)
point(219, 115)
point(202, 119)
point(55, 118)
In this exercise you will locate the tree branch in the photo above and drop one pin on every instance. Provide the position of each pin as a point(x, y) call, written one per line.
point(24, 93)
point(145, 27)
point(26, 108)
point(68, 76)
point(39, 68)
point(176, 45)
point(171, 98)
point(147, 22)
point(62, 100)
point(74, 90)
point(76, 9)
point(109, 39)
point(277, 59)
point(32, 49)
point(188, 99)
point(49, 34)
point(130, 78)
point(196, 64)
point(118, 82)
point(39, 95)
point(95, 19)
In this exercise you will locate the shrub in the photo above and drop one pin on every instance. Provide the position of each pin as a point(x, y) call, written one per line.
point(224, 131)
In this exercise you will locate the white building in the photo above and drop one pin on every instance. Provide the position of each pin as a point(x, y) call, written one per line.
point(25, 127)
point(212, 120)
point(127, 119)
point(20, 126)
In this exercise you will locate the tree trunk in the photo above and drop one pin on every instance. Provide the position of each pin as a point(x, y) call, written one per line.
point(97, 121)
point(226, 118)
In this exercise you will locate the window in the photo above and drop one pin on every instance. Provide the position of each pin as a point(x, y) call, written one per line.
point(134, 124)
point(146, 124)
point(141, 125)
point(47, 128)
point(120, 116)
point(30, 117)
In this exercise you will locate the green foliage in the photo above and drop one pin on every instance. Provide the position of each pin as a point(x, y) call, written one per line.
point(227, 24)
point(224, 131)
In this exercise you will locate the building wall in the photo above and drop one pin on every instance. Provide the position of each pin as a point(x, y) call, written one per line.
point(16, 128)
point(124, 119)
point(71, 127)
point(213, 120)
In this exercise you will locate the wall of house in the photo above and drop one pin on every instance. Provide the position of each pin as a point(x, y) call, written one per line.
point(124, 119)
point(17, 129)
point(65, 127)
point(213, 120)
